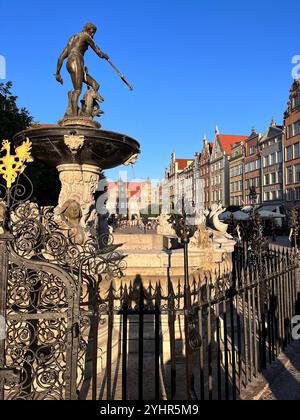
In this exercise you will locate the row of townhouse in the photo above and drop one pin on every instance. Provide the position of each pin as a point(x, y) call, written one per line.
point(227, 169)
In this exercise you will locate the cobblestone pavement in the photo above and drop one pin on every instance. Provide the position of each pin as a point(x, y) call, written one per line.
point(281, 382)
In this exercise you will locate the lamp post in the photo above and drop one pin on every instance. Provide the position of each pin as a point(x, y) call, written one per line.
point(185, 232)
point(294, 226)
point(253, 198)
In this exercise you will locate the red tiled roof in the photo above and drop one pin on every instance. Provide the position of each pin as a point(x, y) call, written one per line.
point(183, 163)
point(132, 188)
point(228, 140)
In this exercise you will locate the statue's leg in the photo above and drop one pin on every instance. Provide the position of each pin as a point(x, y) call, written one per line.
point(76, 70)
point(94, 85)
point(69, 111)
point(92, 82)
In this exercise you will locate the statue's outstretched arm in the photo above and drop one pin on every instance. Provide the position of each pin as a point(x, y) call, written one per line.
point(97, 50)
point(60, 61)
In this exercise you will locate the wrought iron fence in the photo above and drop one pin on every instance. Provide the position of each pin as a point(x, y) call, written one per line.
point(207, 339)
point(76, 329)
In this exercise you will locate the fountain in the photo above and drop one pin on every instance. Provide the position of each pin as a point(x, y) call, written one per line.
point(77, 146)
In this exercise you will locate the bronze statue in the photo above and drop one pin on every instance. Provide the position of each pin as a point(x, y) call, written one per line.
point(74, 53)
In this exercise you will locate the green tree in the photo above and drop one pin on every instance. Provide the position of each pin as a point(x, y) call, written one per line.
point(12, 118)
point(45, 180)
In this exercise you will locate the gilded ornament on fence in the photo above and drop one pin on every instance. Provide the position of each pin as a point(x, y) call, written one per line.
point(13, 165)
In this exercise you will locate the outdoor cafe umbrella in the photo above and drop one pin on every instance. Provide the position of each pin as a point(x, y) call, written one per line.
point(266, 214)
point(240, 216)
point(226, 215)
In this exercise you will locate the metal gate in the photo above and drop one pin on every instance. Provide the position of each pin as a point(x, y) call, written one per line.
point(48, 288)
point(40, 306)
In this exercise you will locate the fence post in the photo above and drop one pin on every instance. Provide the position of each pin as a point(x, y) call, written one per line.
point(5, 238)
point(298, 285)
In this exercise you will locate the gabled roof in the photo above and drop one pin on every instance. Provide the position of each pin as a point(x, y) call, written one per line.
point(183, 163)
point(228, 140)
point(272, 131)
point(131, 188)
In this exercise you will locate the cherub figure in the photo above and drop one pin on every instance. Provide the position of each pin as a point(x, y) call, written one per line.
point(71, 215)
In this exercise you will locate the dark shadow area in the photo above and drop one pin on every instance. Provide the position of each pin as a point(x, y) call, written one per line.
point(141, 342)
point(46, 183)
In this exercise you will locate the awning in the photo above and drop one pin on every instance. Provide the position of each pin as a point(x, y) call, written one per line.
point(265, 214)
point(270, 208)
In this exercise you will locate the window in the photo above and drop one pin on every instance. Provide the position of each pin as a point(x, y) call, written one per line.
point(273, 159)
point(297, 173)
point(290, 131)
point(297, 128)
point(252, 150)
point(297, 193)
point(273, 178)
point(267, 196)
point(289, 175)
point(279, 157)
point(290, 195)
point(289, 153)
point(266, 161)
point(296, 150)
point(296, 101)
point(267, 179)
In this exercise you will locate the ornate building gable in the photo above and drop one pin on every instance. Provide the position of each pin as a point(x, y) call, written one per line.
point(273, 131)
point(294, 100)
point(223, 144)
point(252, 143)
point(238, 150)
point(217, 152)
point(206, 152)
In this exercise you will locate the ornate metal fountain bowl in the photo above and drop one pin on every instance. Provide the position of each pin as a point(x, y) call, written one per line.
point(60, 145)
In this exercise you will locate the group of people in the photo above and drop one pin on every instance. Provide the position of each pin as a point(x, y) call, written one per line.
point(143, 225)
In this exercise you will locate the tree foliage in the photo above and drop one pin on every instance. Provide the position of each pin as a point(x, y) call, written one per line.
point(45, 180)
point(12, 118)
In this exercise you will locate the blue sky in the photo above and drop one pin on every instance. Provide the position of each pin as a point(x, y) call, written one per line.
point(195, 64)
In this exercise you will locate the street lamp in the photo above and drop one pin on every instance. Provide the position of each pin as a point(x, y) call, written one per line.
point(253, 196)
point(185, 232)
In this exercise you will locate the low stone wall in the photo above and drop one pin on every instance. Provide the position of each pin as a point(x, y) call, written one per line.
point(146, 242)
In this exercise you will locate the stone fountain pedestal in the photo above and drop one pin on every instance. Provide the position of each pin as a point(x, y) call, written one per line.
point(79, 183)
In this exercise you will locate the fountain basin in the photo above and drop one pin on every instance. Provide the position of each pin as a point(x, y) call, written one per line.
point(101, 148)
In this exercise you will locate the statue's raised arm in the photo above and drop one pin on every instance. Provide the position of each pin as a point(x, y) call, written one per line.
point(74, 54)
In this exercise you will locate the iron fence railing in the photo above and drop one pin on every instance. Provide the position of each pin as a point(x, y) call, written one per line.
point(205, 339)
